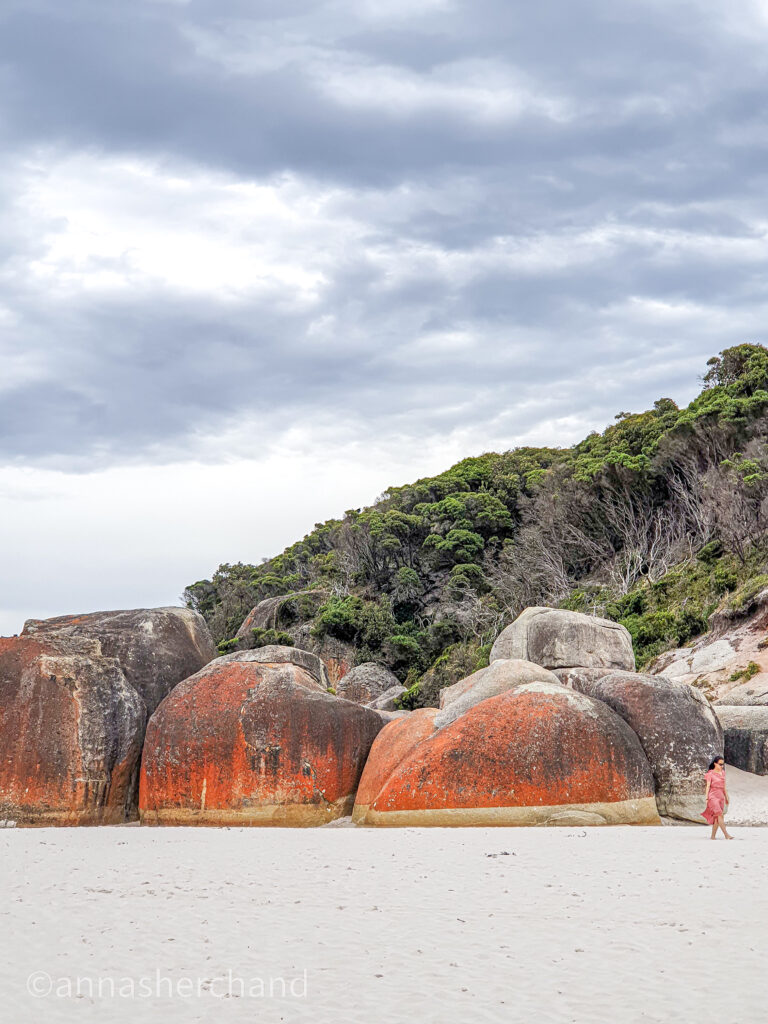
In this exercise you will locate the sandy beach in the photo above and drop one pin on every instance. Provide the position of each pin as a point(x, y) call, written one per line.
point(434, 925)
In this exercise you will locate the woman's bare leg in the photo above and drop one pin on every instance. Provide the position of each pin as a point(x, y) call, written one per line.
point(723, 829)
point(714, 829)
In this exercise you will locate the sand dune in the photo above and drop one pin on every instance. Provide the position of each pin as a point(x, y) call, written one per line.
point(465, 925)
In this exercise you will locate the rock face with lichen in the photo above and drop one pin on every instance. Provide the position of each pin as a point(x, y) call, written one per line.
point(392, 746)
point(499, 677)
point(540, 754)
point(246, 742)
point(678, 730)
point(75, 694)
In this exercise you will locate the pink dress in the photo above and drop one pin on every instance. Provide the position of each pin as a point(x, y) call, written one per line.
point(716, 799)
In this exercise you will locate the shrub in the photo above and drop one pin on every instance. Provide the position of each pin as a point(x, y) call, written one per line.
point(403, 653)
point(744, 598)
point(745, 674)
point(268, 637)
point(227, 646)
point(354, 621)
point(456, 663)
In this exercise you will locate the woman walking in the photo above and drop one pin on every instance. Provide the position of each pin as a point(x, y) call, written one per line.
point(717, 797)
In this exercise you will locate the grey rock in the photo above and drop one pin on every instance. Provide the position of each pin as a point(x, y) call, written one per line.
point(712, 658)
point(364, 683)
point(555, 638)
point(753, 693)
point(281, 612)
point(386, 700)
point(678, 730)
point(579, 678)
point(745, 731)
point(391, 716)
point(449, 694)
point(155, 647)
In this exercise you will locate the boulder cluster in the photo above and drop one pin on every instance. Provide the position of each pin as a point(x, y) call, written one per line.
point(108, 717)
point(559, 729)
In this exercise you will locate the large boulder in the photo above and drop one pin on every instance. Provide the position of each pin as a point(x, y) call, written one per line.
point(677, 728)
point(390, 748)
point(540, 754)
point(364, 683)
point(75, 694)
point(156, 647)
point(555, 639)
point(245, 742)
point(745, 735)
point(71, 727)
point(499, 677)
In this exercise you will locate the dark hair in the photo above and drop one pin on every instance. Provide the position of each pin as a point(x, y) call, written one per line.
point(718, 758)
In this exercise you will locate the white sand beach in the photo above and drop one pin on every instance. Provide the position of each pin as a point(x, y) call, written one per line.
point(434, 925)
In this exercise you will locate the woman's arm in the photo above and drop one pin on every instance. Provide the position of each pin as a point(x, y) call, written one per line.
point(709, 783)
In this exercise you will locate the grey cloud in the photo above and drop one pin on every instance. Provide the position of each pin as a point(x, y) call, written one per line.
point(660, 144)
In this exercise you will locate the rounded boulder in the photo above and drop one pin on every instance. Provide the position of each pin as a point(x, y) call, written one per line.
point(364, 683)
point(557, 639)
point(536, 755)
point(245, 742)
point(677, 727)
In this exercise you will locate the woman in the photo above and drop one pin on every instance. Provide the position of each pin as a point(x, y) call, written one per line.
point(717, 797)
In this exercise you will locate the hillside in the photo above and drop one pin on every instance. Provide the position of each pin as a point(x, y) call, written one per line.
point(656, 522)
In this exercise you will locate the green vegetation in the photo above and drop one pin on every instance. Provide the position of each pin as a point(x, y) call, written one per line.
point(747, 673)
point(657, 522)
point(271, 637)
point(670, 612)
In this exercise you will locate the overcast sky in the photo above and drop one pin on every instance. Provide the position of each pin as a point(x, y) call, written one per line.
point(261, 259)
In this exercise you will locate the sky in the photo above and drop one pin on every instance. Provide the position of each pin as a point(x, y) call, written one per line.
point(260, 261)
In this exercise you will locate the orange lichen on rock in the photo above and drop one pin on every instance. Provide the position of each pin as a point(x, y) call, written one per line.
point(70, 733)
point(75, 694)
point(540, 754)
point(249, 743)
point(393, 744)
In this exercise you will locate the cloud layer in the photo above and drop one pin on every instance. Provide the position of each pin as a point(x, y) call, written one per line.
point(431, 226)
point(420, 216)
